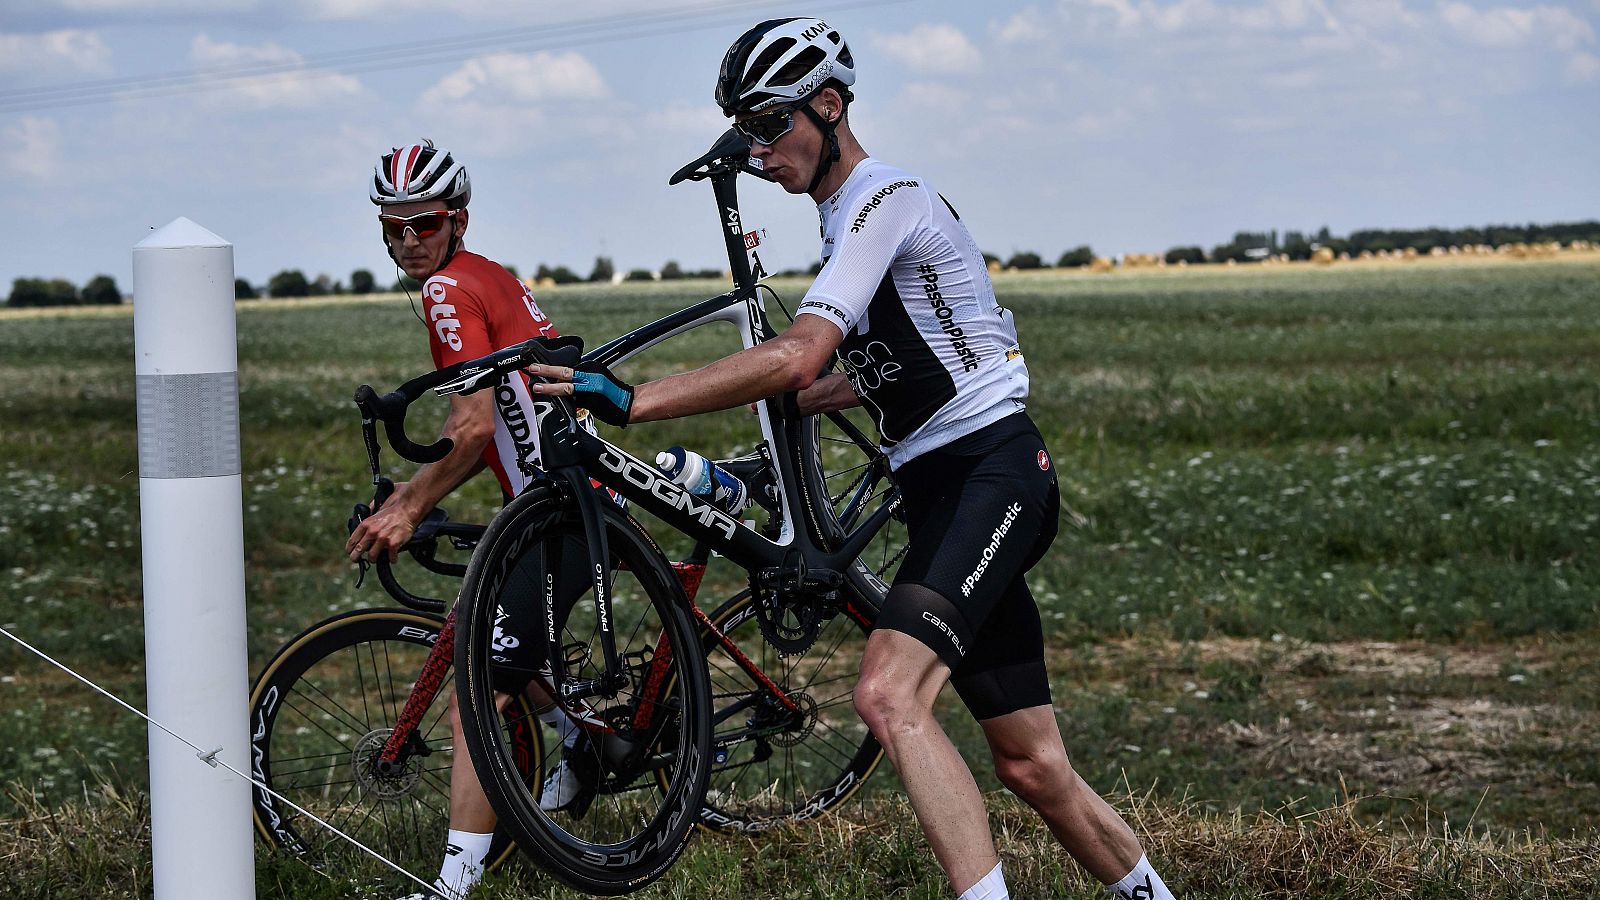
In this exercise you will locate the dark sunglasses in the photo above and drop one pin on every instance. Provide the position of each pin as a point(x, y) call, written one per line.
point(768, 127)
point(423, 225)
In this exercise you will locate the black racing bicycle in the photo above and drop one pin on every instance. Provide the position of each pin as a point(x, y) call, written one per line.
point(752, 728)
point(663, 741)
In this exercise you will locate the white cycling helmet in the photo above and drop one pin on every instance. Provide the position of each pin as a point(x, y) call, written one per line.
point(782, 61)
point(420, 172)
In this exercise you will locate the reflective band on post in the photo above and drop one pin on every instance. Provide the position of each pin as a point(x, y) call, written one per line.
point(188, 425)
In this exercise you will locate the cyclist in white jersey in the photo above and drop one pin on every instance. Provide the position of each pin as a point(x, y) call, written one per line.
point(927, 348)
point(904, 299)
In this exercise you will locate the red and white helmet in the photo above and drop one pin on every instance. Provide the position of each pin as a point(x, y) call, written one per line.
point(782, 61)
point(420, 172)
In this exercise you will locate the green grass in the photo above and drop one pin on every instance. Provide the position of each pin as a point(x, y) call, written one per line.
point(1328, 533)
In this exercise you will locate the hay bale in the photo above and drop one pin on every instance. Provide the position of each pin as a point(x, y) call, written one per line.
point(1344, 256)
point(1437, 251)
point(1411, 253)
point(1366, 254)
point(994, 266)
point(1322, 256)
point(1099, 264)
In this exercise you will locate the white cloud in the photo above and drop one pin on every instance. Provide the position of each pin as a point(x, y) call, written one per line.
point(700, 120)
point(32, 147)
point(930, 48)
point(156, 7)
point(69, 49)
point(1583, 68)
point(1506, 26)
point(518, 78)
point(1028, 26)
point(204, 52)
point(291, 84)
point(1192, 15)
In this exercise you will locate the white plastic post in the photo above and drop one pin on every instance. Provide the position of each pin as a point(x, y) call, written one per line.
point(192, 529)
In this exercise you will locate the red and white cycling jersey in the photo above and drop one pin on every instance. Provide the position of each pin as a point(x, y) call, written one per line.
point(474, 307)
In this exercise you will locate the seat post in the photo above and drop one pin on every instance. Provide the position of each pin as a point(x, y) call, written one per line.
point(723, 185)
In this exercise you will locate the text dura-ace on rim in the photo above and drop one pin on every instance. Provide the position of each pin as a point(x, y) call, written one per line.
point(625, 830)
point(321, 711)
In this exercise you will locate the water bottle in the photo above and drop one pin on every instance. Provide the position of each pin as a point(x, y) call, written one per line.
point(704, 479)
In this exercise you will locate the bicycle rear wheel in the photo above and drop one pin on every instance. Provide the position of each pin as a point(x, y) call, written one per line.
point(320, 713)
point(623, 831)
point(772, 763)
point(849, 478)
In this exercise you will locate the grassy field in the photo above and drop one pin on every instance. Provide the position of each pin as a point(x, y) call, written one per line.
point(1324, 609)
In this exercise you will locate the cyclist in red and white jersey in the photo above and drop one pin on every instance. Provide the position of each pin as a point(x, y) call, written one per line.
point(904, 301)
point(471, 306)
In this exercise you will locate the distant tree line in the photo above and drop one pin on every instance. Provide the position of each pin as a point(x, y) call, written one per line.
point(1245, 246)
point(100, 291)
point(1248, 246)
point(1300, 245)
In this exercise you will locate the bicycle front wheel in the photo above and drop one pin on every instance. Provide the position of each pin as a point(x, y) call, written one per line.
point(612, 828)
point(321, 712)
point(787, 743)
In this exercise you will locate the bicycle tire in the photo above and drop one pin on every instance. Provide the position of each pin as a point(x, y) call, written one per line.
point(628, 832)
point(321, 707)
point(771, 767)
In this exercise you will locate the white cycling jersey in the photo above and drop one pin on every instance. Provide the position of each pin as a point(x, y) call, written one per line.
point(930, 352)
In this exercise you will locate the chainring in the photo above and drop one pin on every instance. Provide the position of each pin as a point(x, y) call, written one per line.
point(789, 622)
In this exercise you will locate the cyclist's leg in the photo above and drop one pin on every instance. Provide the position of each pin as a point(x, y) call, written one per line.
point(900, 679)
point(1004, 684)
point(472, 818)
point(975, 523)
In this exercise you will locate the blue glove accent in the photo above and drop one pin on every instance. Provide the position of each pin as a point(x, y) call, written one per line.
point(604, 394)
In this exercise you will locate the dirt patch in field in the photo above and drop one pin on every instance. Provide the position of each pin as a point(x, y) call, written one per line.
point(1365, 657)
point(1432, 746)
point(1398, 718)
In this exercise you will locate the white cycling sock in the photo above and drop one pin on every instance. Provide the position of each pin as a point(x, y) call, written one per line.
point(463, 860)
point(1141, 884)
point(990, 887)
point(562, 723)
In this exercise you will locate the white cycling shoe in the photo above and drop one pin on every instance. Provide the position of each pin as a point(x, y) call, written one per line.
point(438, 893)
point(562, 787)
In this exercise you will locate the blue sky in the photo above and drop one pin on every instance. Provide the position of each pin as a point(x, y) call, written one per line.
point(1130, 125)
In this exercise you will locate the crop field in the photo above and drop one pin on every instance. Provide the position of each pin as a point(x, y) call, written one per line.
point(1324, 611)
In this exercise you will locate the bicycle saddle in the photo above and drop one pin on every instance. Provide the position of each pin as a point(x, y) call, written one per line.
point(731, 144)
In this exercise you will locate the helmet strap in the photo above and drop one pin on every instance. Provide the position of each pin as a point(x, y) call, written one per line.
point(830, 147)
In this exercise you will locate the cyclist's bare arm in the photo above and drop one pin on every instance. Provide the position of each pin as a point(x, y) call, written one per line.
point(470, 426)
point(826, 394)
point(788, 362)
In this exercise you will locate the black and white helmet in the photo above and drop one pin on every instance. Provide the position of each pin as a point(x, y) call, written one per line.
point(782, 61)
point(420, 172)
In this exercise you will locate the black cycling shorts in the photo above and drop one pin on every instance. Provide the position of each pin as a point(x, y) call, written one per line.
point(518, 648)
point(981, 511)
